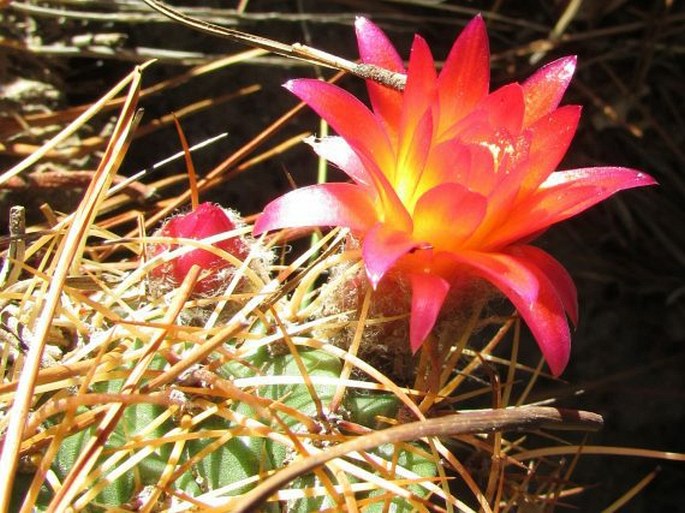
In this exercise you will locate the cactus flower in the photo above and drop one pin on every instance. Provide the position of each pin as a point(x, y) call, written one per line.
point(206, 220)
point(450, 180)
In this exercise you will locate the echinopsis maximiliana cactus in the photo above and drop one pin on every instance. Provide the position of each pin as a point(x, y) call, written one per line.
point(450, 185)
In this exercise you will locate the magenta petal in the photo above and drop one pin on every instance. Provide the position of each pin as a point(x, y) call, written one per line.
point(375, 48)
point(331, 204)
point(428, 293)
point(362, 131)
point(535, 298)
point(382, 247)
point(545, 88)
point(556, 273)
point(348, 116)
point(465, 77)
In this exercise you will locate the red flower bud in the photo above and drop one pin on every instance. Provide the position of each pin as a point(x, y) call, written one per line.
point(206, 220)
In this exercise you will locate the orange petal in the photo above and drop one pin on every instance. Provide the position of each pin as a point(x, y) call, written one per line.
point(447, 215)
point(413, 156)
point(501, 110)
point(416, 126)
point(449, 161)
point(421, 84)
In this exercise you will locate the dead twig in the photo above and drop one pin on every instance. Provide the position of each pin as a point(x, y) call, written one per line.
point(484, 421)
point(296, 50)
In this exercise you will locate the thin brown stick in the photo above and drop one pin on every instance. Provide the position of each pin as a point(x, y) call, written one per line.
point(298, 51)
point(484, 421)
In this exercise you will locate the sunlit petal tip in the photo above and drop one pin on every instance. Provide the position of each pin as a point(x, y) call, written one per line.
point(375, 47)
point(296, 85)
point(475, 33)
point(428, 295)
point(338, 152)
point(561, 69)
point(477, 23)
point(303, 87)
point(645, 179)
point(361, 24)
point(545, 88)
point(609, 178)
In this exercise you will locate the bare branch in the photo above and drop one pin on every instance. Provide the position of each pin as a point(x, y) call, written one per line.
point(298, 51)
point(484, 421)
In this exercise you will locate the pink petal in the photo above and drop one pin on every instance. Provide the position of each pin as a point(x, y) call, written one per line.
point(556, 273)
point(551, 137)
point(428, 295)
point(348, 116)
point(535, 298)
point(465, 77)
point(330, 204)
point(563, 195)
point(376, 48)
point(611, 179)
point(544, 89)
point(447, 215)
point(336, 150)
point(382, 247)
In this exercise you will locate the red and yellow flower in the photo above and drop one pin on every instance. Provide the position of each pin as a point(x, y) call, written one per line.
point(451, 180)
